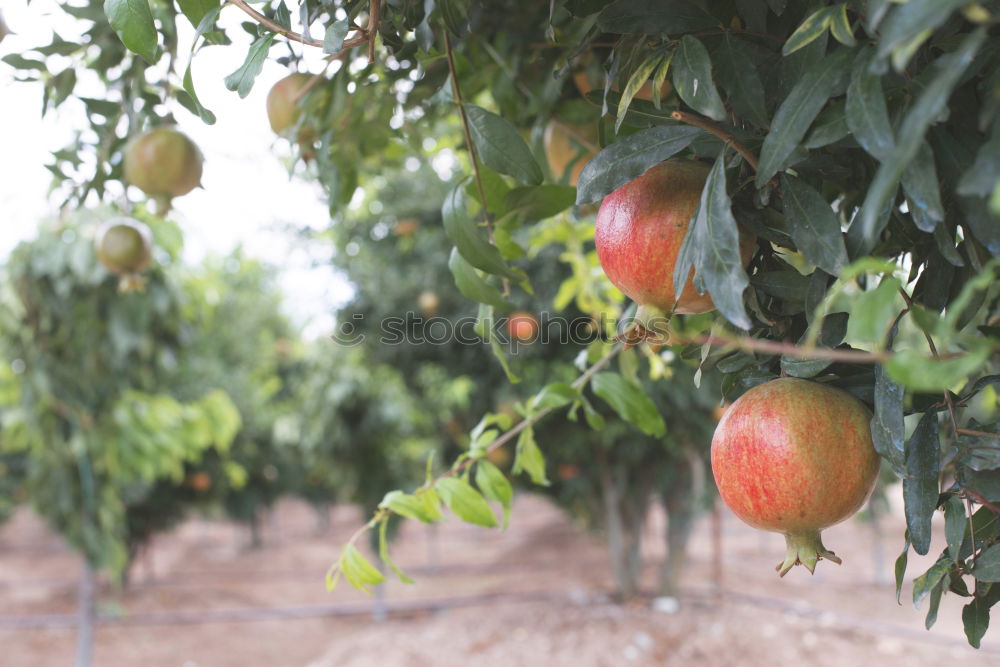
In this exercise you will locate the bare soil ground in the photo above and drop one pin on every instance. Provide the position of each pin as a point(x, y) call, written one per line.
point(535, 595)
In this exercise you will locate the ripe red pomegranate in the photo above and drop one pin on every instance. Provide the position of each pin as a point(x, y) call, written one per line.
point(795, 457)
point(283, 110)
point(163, 163)
point(522, 326)
point(640, 229)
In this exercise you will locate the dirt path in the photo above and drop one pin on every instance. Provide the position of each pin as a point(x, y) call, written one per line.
point(535, 595)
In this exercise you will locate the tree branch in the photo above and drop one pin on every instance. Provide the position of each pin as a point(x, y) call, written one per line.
point(711, 127)
point(294, 36)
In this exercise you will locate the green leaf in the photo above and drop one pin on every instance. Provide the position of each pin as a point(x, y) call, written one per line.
point(333, 39)
point(712, 247)
point(988, 564)
point(383, 552)
point(630, 403)
point(529, 459)
point(541, 201)
point(785, 285)
point(920, 183)
point(830, 126)
point(920, 486)
point(909, 20)
point(917, 372)
point(737, 73)
point(984, 175)
point(472, 285)
point(20, 62)
point(628, 158)
point(867, 113)
point(925, 583)
point(132, 21)
point(635, 82)
point(818, 83)
point(815, 227)
point(929, 105)
point(691, 72)
point(976, 619)
point(467, 503)
point(483, 329)
point(874, 311)
point(495, 486)
point(840, 25)
point(358, 570)
point(196, 106)
point(463, 231)
point(500, 147)
point(900, 568)
point(932, 608)
point(554, 395)
point(954, 526)
point(456, 15)
point(195, 10)
point(811, 28)
point(411, 506)
point(887, 426)
point(654, 17)
point(242, 79)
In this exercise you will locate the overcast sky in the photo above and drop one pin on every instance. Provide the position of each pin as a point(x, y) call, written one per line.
point(247, 194)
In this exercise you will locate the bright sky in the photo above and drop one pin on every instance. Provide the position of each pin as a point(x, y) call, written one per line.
point(248, 196)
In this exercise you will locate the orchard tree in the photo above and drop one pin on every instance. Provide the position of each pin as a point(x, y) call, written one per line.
point(91, 406)
point(827, 171)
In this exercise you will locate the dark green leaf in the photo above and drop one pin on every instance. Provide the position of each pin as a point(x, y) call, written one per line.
point(627, 159)
point(920, 486)
point(867, 113)
point(242, 79)
point(925, 583)
point(931, 102)
point(463, 231)
point(954, 526)
point(988, 564)
point(888, 429)
point(195, 10)
point(910, 19)
point(712, 248)
point(635, 82)
point(691, 72)
point(830, 126)
point(920, 183)
point(840, 25)
point(467, 503)
point(932, 608)
point(812, 27)
point(456, 15)
point(472, 285)
point(654, 17)
point(333, 39)
point(630, 402)
point(133, 22)
point(797, 112)
point(900, 568)
point(982, 177)
point(976, 619)
point(541, 201)
point(206, 116)
point(815, 227)
point(20, 62)
point(785, 285)
point(986, 483)
point(737, 73)
point(500, 147)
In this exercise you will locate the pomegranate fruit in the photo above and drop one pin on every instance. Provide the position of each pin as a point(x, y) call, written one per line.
point(639, 232)
point(163, 163)
point(124, 246)
point(429, 303)
point(522, 326)
point(568, 148)
point(794, 457)
point(283, 110)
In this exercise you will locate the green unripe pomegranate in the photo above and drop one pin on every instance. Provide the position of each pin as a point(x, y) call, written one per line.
point(283, 110)
point(163, 163)
point(124, 247)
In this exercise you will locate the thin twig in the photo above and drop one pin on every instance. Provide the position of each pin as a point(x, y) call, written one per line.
point(457, 92)
point(713, 128)
point(982, 501)
point(980, 434)
point(374, 9)
point(786, 349)
point(294, 36)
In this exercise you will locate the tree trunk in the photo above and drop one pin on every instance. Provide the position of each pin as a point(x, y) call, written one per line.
point(679, 502)
point(85, 615)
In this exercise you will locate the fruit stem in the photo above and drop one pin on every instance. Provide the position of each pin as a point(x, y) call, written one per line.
point(163, 205)
point(805, 549)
